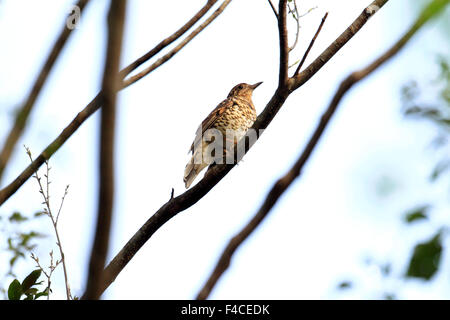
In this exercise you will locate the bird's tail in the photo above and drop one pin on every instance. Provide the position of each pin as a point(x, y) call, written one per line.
point(192, 170)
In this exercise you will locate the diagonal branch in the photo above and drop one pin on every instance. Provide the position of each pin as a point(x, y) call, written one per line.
point(298, 80)
point(174, 51)
point(25, 111)
point(284, 46)
point(311, 44)
point(110, 85)
point(68, 131)
point(167, 41)
point(273, 9)
point(211, 178)
point(285, 181)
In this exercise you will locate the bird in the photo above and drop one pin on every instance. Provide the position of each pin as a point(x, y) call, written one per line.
point(236, 113)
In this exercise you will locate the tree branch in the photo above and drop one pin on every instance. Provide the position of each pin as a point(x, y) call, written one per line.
point(285, 181)
point(25, 111)
point(110, 85)
point(298, 80)
point(174, 51)
point(73, 126)
point(211, 178)
point(311, 44)
point(284, 46)
point(273, 9)
point(167, 41)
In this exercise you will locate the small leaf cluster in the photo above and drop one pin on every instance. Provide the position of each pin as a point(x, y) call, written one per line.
point(27, 288)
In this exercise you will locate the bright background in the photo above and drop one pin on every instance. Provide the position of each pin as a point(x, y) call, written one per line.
point(332, 225)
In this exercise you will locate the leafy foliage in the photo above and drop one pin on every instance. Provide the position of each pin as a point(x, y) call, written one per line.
point(426, 258)
point(417, 214)
point(437, 111)
point(27, 288)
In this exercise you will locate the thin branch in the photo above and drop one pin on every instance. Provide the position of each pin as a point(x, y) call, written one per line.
point(48, 211)
point(68, 131)
point(273, 9)
point(167, 41)
point(284, 46)
point(22, 115)
point(51, 269)
point(66, 191)
point(129, 81)
point(298, 80)
point(285, 181)
point(212, 177)
point(311, 44)
point(110, 85)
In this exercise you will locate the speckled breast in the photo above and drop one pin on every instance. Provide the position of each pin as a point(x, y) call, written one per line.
point(239, 117)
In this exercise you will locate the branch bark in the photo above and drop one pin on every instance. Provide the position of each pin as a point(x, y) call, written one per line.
point(300, 65)
point(298, 80)
point(218, 172)
point(284, 45)
point(110, 85)
point(167, 41)
point(273, 9)
point(93, 106)
point(23, 114)
point(285, 181)
point(174, 51)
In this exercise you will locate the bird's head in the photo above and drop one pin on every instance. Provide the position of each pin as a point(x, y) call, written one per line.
point(243, 90)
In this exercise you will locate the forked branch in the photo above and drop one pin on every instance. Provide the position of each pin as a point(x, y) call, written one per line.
point(218, 172)
point(97, 102)
point(285, 181)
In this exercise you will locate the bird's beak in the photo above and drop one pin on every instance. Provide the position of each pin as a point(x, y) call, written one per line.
point(256, 85)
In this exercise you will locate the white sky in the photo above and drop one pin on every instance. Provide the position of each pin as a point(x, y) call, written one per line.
point(324, 227)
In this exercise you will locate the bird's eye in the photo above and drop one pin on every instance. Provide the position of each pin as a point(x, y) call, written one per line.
point(241, 86)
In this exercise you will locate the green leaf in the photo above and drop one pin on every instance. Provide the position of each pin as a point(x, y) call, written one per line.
point(31, 291)
point(426, 258)
point(14, 290)
point(416, 214)
point(440, 168)
point(345, 285)
point(39, 214)
point(30, 280)
point(41, 294)
point(17, 217)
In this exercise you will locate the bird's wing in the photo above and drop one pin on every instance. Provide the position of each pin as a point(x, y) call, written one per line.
point(209, 120)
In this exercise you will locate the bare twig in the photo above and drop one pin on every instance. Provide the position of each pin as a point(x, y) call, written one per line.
point(48, 274)
point(81, 117)
point(48, 211)
point(311, 44)
point(110, 85)
point(285, 181)
point(66, 191)
point(216, 173)
point(273, 9)
point(22, 115)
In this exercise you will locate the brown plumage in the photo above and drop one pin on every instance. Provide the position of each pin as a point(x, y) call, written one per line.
point(236, 113)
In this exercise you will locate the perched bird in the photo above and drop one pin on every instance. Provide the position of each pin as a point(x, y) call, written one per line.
point(236, 113)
